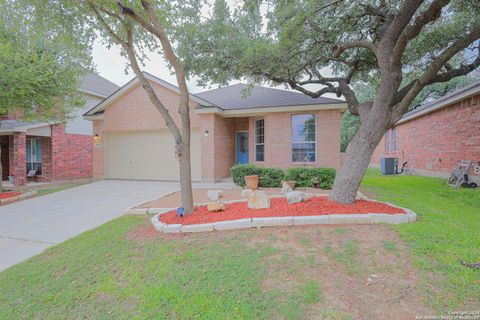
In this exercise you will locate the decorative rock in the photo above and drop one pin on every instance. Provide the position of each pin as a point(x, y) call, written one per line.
point(216, 206)
point(361, 196)
point(246, 193)
point(294, 197)
point(286, 188)
point(297, 196)
point(214, 195)
point(307, 196)
point(258, 199)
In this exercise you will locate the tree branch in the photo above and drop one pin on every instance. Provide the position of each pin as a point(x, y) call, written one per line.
point(354, 44)
point(127, 45)
point(154, 26)
point(431, 14)
point(401, 20)
point(407, 94)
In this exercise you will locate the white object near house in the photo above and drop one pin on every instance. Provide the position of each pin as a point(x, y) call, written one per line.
point(286, 188)
point(214, 195)
point(258, 199)
point(297, 196)
point(246, 193)
point(294, 197)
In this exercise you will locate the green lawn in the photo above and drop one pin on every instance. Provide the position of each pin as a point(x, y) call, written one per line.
point(126, 270)
point(58, 187)
point(448, 230)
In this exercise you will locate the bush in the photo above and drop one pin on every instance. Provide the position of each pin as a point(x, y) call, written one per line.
point(272, 178)
point(268, 177)
point(306, 177)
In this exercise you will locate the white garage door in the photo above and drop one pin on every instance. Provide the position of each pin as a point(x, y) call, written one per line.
point(148, 155)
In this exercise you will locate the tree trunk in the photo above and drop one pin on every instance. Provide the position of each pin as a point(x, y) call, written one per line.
point(186, 179)
point(357, 158)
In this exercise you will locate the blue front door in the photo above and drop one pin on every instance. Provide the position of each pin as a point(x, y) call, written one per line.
point(242, 147)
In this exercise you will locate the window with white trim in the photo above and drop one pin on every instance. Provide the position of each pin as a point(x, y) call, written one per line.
point(260, 140)
point(303, 137)
point(34, 155)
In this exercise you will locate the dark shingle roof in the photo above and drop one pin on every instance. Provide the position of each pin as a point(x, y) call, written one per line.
point(231, 98)
point(95, 84)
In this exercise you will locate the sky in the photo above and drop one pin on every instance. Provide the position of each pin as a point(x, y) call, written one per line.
point(111, 65)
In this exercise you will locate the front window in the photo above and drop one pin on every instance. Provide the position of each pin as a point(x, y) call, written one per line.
point(34, 155)
point(303, 138)
point(260, 140)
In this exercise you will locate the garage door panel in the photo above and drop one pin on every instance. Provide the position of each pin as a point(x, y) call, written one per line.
point(148, 156)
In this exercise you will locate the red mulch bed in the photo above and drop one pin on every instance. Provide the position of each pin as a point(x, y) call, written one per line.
point(6, 195)
point(279, 208)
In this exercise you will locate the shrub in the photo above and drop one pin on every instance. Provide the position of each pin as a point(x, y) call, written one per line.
point(269, 177)
point(272, 177)
point(306, 177)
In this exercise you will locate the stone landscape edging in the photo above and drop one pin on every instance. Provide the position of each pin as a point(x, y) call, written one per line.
point(246, 223)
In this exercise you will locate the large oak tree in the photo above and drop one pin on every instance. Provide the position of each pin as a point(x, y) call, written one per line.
point(333, 46)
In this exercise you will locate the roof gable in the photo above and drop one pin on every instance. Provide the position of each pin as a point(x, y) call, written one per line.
point(99, 108)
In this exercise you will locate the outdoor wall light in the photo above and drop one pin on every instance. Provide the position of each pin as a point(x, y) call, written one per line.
point(206, 133)
point(96, 137)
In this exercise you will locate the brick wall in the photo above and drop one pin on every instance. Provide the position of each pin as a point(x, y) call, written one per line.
point(71, 155)
point(278, 146)
point(224, 144)
point(18, 159)
point(435, 142)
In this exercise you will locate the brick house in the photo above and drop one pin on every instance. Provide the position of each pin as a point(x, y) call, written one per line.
point(58, 151)
point(268, 127)
point(436, 135)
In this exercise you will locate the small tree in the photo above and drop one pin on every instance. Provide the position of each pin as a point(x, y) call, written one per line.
point(39, 75)
point(319, 47)
point(137, 24)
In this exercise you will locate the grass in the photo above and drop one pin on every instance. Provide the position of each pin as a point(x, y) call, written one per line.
point(103, 274)
point(57, 188)
point(278, 273)
point(346, 256)
point(448, 230)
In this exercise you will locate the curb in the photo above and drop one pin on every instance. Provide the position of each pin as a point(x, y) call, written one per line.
point(369, 218)
point(19, 197)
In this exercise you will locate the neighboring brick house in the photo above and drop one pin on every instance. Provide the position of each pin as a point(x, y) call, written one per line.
point(268, 127)
point(54, 151)
point(436, 135)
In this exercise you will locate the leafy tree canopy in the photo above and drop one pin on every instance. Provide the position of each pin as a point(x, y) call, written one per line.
point(40, 65)
point(298, 43)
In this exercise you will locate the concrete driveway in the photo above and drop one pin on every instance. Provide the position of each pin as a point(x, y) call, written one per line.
point(30, 226)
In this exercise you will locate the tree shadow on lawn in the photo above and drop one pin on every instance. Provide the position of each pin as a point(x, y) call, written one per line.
point(313, 272)
point(125, 269)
